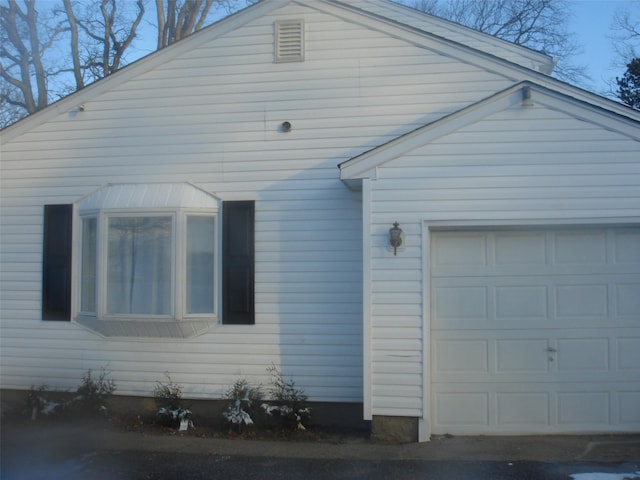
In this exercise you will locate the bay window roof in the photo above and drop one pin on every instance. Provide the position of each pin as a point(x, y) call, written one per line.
point(147, 196)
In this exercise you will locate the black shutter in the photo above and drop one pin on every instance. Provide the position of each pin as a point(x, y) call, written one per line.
point(238, 263)
point(56, 262)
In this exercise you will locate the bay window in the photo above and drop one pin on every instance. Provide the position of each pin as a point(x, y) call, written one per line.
point(137, 265)
point(149, 261)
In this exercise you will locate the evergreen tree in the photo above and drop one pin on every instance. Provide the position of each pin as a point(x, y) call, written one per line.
point(629, 85)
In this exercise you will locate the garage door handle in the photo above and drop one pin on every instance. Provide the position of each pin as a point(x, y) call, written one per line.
point(551, 350)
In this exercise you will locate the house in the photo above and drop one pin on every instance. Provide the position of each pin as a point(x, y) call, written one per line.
point(397, 211)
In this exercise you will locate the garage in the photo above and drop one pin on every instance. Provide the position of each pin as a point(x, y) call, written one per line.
point(535, 330)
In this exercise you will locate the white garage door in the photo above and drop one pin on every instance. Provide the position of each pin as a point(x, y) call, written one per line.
point(535, 331)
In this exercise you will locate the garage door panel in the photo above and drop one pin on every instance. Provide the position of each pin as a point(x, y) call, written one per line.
point(521, 302)
point(579, 248)
point(454, 249)
point(462, 302)
point(584, 409)
point(538, 269)
point(522, 355)
point(525, 301)
point(627, 247)
point(535, 331)
point(462, 409)
point(523, 408)
point(589, 354)
point(581, 301)
point(629, 354)
point(513, 248)
point(627, 300)
point(628, 407)
point(518, 408)
point(462, 356)
point(583, 355)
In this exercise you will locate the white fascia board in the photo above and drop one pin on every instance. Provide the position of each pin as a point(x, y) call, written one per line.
point(365, 165)
point(141, 66)
point(606, 118)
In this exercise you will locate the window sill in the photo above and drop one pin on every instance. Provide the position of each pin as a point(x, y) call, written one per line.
point(147, 328)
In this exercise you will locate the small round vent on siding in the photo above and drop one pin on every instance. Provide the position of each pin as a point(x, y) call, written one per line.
point(289, 41)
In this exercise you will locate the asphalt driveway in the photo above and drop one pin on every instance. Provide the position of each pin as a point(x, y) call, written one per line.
point(73, 452)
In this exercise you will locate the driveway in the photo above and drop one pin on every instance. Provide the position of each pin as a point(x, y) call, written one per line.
point(73, 452)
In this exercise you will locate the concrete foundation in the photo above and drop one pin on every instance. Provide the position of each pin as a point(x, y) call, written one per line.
point(386, 429)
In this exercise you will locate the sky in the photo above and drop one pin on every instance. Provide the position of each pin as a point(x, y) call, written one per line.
point(591, 21)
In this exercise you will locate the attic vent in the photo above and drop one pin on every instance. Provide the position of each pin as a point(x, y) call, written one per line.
point(289, 41)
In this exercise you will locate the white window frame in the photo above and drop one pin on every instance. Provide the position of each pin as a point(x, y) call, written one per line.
point(178, 309)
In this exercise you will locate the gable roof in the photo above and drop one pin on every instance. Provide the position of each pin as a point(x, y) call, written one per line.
point(460, 42)
point(365, 164)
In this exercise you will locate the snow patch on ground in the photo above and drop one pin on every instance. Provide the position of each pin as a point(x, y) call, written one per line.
point(605, 476)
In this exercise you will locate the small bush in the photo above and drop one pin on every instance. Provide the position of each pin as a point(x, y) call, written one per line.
point(94, 392)
point(243, 402)
point(168, 395)
point(289, 403)
point(171, 409)
point(40, 401)
point(91, 398)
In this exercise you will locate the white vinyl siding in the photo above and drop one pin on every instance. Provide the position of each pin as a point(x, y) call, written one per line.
point(211, 116)
point(531, 165)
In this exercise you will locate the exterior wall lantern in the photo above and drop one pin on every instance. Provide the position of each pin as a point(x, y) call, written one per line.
point(395, 237)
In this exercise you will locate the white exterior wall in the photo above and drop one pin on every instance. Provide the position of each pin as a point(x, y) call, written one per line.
point(535, 165)
point(211, 116)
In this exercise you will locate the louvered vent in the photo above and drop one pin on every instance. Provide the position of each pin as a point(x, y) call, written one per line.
point(290, 41)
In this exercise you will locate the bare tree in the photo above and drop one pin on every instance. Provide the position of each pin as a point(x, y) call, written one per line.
point(104, 32)
point(75, 44)
point(24, 39)
point(34, 63)
point(49, 49)
point(180, 18)
point(541, 25)
point(625, 37)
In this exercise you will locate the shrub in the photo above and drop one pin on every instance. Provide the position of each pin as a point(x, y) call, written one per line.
point(40, 401)
point(243, 400)
point(91, 398)
point(171, 409)
point(94, 392)
point(289, 403)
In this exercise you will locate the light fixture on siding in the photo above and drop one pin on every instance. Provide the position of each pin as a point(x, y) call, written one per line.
point(395, 237)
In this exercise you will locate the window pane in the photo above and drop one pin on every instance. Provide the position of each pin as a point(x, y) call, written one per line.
point(139, 265)
point(88, 283)
point(200, 264)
